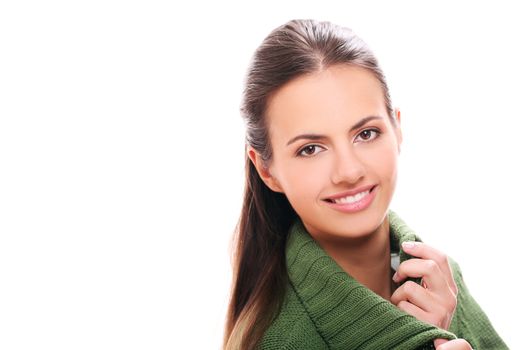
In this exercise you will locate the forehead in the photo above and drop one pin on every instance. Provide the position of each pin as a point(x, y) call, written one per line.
point(323, 101)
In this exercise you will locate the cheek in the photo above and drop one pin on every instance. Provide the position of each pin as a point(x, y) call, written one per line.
point(304, 183)
point(385, 163)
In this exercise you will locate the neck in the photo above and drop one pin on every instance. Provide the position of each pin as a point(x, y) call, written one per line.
point(366, 259)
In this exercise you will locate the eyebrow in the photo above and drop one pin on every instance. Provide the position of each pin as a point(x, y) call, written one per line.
point(320, 137)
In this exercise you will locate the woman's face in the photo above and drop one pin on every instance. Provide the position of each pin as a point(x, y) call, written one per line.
point(346, 155)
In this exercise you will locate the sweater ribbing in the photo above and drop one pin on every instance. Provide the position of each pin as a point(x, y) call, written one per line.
point(325, 308)
point(347, 314)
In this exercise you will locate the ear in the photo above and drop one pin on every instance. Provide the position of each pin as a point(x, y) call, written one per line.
point(264, 172)
point(399, 134)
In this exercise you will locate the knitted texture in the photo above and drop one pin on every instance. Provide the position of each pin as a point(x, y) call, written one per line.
point(325, 308)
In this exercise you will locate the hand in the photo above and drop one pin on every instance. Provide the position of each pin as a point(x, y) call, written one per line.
point(456, 344)
point(434, 301)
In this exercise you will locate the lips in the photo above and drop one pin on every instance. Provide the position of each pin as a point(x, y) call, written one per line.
point(353, 192)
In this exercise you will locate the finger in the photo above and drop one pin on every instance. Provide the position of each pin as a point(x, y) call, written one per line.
point(438, 342)
point(418, 313)
point(456, 344)
point(413, 310)
point(428, 269)
point(424, 251)
point(415, 294)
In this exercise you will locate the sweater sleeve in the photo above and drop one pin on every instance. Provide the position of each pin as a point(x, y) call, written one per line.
point(469, 321)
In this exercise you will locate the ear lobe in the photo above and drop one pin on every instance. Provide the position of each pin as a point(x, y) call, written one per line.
point(264, 172)
point(399, 134)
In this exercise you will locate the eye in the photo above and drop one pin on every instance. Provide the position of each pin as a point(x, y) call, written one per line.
point(367, 134)
point(308, 150)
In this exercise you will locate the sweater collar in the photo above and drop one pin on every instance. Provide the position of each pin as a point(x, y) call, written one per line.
point(347, 314)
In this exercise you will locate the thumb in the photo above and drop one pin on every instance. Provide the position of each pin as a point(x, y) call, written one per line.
point(438, 342)
point(456, 344)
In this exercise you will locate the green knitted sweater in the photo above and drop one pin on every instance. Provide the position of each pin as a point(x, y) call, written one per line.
point(325, 308)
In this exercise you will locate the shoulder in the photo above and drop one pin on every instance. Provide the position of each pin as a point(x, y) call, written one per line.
point(292, 328)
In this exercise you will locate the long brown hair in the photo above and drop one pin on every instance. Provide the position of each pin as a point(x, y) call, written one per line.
point(259, 277)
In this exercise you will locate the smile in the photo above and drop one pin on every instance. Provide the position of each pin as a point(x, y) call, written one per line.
point(354, 203)
point(350, 199)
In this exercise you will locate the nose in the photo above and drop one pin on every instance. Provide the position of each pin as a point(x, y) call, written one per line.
point(347, 167)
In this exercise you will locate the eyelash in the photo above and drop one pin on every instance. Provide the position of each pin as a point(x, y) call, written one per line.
point(377, 131)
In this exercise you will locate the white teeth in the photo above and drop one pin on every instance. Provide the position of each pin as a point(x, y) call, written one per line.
point(351, 199)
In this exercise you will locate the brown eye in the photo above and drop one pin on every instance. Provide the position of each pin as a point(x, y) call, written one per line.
point(366, 134)
point(309, 150)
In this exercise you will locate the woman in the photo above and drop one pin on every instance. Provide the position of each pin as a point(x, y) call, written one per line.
point(316, 245)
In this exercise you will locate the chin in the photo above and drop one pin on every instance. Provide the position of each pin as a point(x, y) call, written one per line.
point(357, 225)
point(343, 230)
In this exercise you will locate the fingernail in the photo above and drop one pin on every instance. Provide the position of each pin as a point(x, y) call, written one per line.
point(395, 277)
point(408, 245)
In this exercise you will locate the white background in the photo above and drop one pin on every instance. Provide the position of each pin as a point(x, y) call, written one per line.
point(121, 158)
